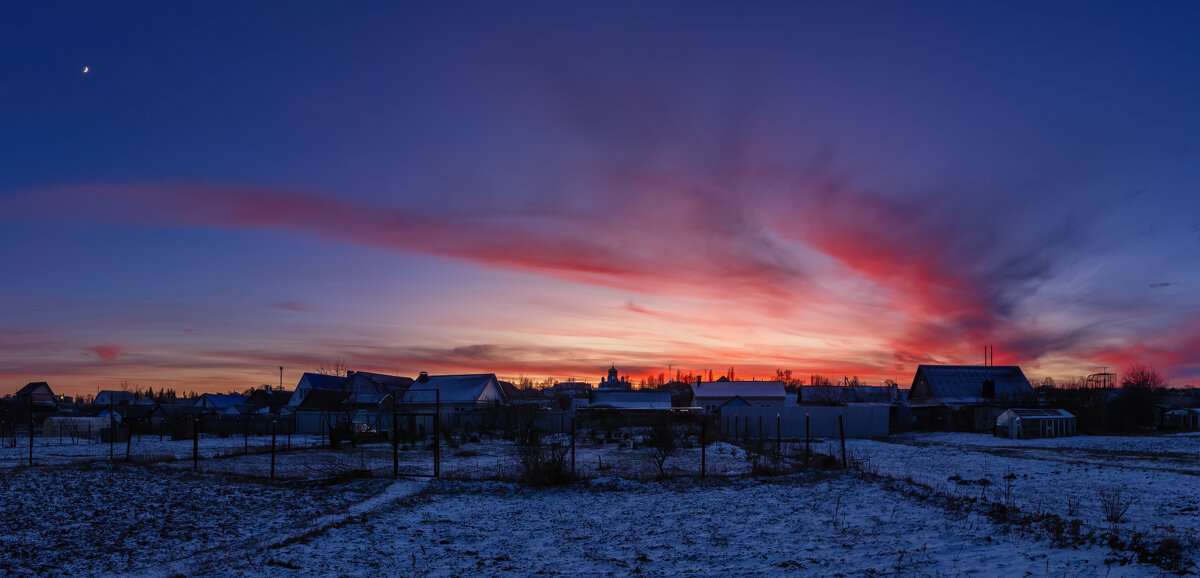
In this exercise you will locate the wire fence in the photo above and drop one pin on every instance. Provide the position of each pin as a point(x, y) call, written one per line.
point(501, 444)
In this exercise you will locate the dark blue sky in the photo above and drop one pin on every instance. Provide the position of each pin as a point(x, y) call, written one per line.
point(545, 188)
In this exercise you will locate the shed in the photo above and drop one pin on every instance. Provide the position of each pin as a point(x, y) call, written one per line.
point(1024, 423)
point(1187, 419)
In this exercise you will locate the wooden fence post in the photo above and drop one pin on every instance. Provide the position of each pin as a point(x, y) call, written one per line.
point(31, 430)
point(196, 443)
point(842, 432)
point(274, 431)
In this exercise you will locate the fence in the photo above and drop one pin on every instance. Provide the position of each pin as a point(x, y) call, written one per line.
point(859, 421)
point(487, 443)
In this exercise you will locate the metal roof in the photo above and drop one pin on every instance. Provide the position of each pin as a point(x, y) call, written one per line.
point(1040, 413)
point(743, 389)
point(632, 399)
point(949, 384)
point(451, 388)
point(322, 381)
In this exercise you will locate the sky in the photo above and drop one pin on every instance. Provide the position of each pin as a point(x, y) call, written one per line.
point(545, 189)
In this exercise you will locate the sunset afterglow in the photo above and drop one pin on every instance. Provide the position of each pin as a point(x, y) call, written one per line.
point(691, 186)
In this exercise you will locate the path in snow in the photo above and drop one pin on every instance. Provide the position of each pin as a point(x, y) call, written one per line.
point(222, 559)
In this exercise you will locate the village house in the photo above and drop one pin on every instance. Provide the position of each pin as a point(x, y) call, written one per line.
point(458, 396)
point(713, 394)
point(314, 381)
point(39, 394)
point(218, 402)
point(966, 397)
point(113, 397)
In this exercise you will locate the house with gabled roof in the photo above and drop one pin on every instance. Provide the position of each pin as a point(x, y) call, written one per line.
point(218, 402)
point(458, 391)
point(367, 389)
point(966, 397)
point(113, 397)
point(314, 381)
point(39, 393)
point(273, 400)
point(712, 395)
point(458, 396)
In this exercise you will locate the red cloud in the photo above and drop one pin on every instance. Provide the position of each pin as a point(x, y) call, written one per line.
point(700, 251)
point(107, 352)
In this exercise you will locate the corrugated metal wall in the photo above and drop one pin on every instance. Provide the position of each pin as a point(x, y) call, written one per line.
point(860, 420)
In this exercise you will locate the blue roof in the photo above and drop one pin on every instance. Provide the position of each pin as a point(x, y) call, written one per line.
point(964, 384)
point(221, 400)
point(322, 381)
point(451, 388)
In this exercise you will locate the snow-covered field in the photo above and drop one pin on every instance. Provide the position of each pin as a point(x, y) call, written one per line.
point(160, 518)
point(53, 451)
point(1063, 476)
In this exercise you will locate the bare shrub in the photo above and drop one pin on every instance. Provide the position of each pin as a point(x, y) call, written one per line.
point(1114, 503)
point(1073, 506)
point(544, 464)
point(661, 444)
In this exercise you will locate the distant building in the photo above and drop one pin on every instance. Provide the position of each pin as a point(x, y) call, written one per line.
point(966, 397)
point(613, 381)
point(113, 397)
point(219, 402)
point(39, 393)
point(570, 388)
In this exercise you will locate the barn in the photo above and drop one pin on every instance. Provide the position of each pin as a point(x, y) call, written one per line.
point(1023, 423)
point(965, 397)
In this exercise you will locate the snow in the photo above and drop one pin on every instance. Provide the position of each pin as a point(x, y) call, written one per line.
point(1160, 472)
point(803, 524)
point(53, 451)
point(159, 518)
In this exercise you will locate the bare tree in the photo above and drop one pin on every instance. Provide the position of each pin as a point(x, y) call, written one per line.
point(1140, 375)
point(789, 383)
point(335, 367)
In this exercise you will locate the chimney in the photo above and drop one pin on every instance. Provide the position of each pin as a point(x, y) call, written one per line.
point(349, 373)
point(424, 377)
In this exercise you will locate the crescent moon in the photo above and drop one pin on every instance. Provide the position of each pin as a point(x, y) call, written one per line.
point(85, 69)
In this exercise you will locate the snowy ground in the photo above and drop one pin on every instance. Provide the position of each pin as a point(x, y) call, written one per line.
point(801, 525)
point(55, 451)
point(488, 460)
point(1162, 473)
point(160, 518)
